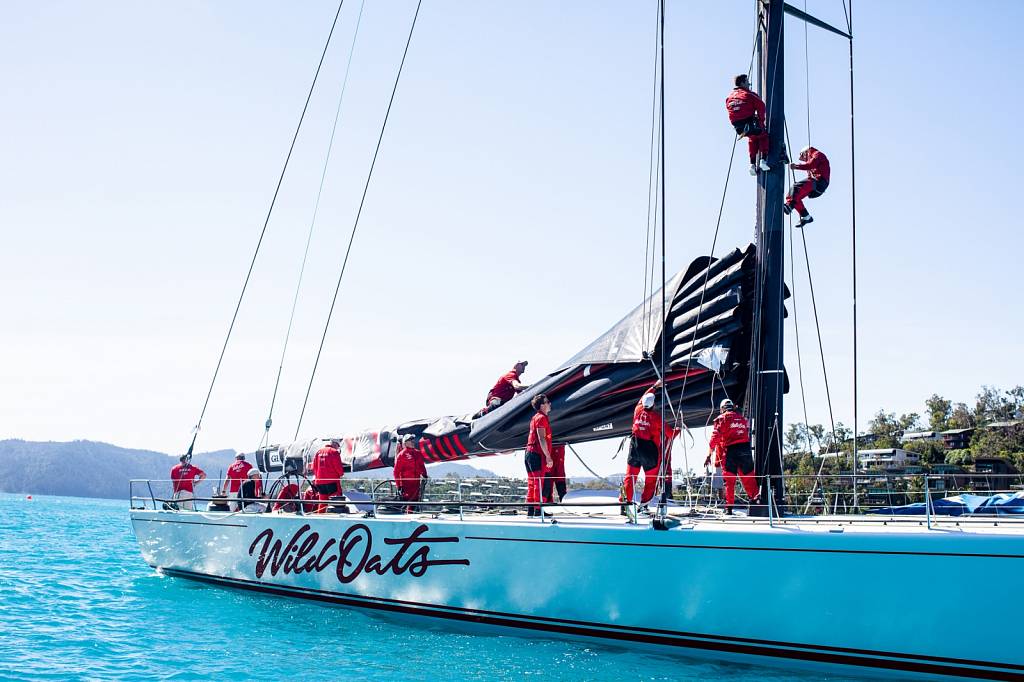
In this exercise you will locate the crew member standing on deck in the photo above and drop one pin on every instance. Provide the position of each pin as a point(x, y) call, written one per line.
point(237, 473)
point(410, 472)
point(813, 186)
point(327, 473)
point(554, 478)
point(746, 114)
point(644, 448)
point(184, 477)
point(538, 451)
point(507, 387)
point(730, 444)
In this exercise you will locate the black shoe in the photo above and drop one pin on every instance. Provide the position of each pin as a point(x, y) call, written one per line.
point(787, 209)
point(805, 220)
point(728, 511)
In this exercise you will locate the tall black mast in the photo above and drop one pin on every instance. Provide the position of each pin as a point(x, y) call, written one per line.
point(769, 378)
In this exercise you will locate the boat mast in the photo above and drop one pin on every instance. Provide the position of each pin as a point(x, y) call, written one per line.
point(769, 378)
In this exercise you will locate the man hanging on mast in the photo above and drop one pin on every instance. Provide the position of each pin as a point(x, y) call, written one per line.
point(746, 114)
point(813, 186)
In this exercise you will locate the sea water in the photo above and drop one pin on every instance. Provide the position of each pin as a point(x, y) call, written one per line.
point(77, 601)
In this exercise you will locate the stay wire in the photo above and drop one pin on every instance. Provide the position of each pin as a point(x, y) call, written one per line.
point(807, 79)
point(359, 213)
point(263, 231)
point(817, 322)
point(312, 223)
point(653, 180)
point(714, 240)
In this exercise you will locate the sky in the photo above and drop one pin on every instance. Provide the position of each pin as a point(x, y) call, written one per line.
point(505, 219)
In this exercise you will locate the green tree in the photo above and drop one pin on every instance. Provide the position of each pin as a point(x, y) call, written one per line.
point(931, 452)
point(890, 429)
point(939, 411)
point(961, 417)
point(992, 406)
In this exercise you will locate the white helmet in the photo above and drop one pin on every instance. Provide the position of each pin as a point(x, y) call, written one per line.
point(648, 401)
point(804, 152)
point(726, 405)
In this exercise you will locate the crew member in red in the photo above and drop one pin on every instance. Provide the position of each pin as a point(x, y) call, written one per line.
point(746, 114)
point(506, 388)
point(288, 492)
point(327, 473)
point(813, 186)
point(644, 446)
point(538, 451)
point(554, 478)
point(730, 444)
point(410, 472)
point(670, 434)
point(237, 473)
point(184, 477)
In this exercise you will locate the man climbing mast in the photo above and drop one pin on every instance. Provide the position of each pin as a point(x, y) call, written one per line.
point(746, 114)
point(813, 186)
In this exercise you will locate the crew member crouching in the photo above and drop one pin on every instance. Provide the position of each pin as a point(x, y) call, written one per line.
point(410, 472)
point(250, 492)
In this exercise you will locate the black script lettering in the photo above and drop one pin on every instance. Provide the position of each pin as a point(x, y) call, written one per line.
point(275, 558)
point(416, 564)
point(352, 537)
point(354, 553)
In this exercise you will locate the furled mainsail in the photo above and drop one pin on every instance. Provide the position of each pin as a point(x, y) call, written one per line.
point(709, 324)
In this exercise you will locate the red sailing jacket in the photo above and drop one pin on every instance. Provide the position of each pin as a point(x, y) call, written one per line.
point(730, 428)
point(503, 388)
point(816, 165)
point(183, 477)
point(327, 465)
point(646, 423)
point(540, 420)
point(409, 467)
point(237, 472)
point(742, 104)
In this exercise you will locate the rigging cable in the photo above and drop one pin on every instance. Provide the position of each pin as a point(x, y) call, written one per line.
point(263, 232)
point(312, 223)
point(711, 254)
point(359, 212)
point(653, 182)
point(853, 219)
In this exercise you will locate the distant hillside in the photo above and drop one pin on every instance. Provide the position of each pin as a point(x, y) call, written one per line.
point(85, 468)
point(89, 469)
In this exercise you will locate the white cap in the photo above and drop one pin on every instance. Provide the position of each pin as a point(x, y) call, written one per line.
point(648, 401)
point(252, 471)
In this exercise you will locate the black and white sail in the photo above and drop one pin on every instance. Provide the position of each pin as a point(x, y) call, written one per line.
point(593, 394)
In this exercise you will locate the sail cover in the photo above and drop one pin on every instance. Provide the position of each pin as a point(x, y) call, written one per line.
point(707, 320)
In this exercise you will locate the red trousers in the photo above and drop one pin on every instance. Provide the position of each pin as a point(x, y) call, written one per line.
point(410, 492)
point(534, 483)
point(650, 482)
point(800, 191)
point(746, 478)
point(757, 143)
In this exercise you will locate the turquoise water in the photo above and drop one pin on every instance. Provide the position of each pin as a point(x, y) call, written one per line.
point(77, 601)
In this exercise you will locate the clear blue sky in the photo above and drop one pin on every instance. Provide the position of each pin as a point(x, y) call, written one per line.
point(506, 217)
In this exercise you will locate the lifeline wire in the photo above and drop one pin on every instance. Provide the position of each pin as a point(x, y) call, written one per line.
point(359, 213)
point(263, 232)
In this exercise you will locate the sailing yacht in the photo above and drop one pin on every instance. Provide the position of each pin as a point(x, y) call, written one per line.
point(765, 588)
